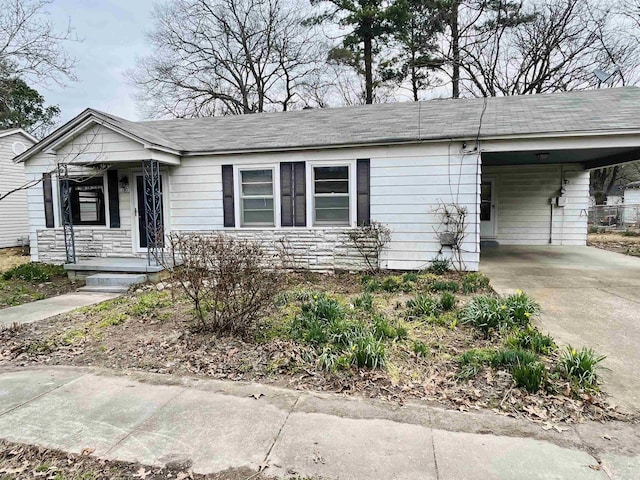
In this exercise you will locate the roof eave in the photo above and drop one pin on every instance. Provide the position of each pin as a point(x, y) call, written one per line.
point(86, 116)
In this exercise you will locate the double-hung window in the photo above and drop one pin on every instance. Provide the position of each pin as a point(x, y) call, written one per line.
point(331, 195)
point(256, 198)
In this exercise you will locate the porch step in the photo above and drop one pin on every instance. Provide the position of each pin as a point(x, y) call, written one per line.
point(104, 289)
point(109, 282)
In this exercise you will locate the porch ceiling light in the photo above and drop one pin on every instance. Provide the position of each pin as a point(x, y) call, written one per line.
point(542, 155)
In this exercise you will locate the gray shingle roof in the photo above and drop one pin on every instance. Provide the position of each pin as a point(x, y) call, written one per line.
point(615, 109)
point(584, 111)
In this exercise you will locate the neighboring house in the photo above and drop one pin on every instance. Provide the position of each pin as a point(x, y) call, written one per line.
point(14, 219)
point(519, 166)
point(631, 215)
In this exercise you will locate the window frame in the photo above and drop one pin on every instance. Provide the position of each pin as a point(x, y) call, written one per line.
point(239, 197)
point(105, 193)
point(351, 182)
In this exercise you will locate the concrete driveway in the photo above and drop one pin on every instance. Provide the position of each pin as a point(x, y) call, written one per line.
point(590, 297)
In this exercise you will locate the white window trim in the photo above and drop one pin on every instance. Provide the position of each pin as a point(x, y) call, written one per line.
point(57, 214)
point(353, 200)
point(237, 194)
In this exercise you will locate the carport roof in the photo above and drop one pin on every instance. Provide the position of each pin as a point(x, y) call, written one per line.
point(589, 112)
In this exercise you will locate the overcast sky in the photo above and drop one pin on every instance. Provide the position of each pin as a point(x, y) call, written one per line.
point(113, 35)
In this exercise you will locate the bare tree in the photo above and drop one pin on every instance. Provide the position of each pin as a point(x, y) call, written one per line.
point(84, 157)
point(225, 57)
point(31, 45)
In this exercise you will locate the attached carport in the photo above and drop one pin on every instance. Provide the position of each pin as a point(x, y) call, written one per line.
point(589, 297)
point(535, 191)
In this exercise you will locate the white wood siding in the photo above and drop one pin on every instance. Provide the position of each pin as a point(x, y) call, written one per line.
point(407, 185)
point(14, 221)
point(524, 210)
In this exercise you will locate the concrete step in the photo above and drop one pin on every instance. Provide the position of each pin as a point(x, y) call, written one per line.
point(104, 289)
point(115, 279)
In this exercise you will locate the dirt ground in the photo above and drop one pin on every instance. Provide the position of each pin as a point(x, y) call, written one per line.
point(24, 462)
point(153, 330)
point(12, 257)
point(615, 242)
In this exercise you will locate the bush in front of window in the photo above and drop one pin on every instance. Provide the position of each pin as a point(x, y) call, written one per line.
point(230, 282)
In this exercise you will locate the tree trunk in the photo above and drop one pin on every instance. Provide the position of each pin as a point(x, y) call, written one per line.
point(368, 69)
point(455, 49)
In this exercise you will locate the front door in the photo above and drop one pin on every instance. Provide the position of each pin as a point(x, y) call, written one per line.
point(142, 223)
point(487, 208)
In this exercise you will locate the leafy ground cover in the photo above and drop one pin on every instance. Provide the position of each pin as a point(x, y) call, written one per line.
point(24, 462)
point(623, 242)
point(27, 282)
point(444, 339)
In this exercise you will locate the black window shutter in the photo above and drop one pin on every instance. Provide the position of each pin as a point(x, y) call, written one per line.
point(286, 194)
point(227, 196)
point(364, 191)
point(114, 201)
point(293, 206)
point(299, 195)
point(48, 200)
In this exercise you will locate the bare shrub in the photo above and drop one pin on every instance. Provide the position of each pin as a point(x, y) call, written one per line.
point(230, 282)
point(370, 241)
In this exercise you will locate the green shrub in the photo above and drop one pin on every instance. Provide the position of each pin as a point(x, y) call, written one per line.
point(371, 284)
point(472, 361)
point(512, 357)
point(324, 323)
point(484, 312)
point(529, 376)
point(332, 361)
point(391, 284)
point(442, 286)
point(520, 309)
point(593, 229)
point(423, 306)
point(630, 233)
point(420, 349)
point(474, 281)
point(490, 313)
point(364, 302)
point(410, 277)
point(580, 366)
point(368, 352)
point(297, 295)
point(447, 301)
point(34, 272)
point(382, 328)
point(440, 265)
point(531, 339)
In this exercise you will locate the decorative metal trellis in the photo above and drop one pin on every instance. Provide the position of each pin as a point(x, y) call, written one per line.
point(66, 214)
point(153, 211)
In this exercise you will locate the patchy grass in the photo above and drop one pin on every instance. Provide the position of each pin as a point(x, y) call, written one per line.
point(390, 337)
point(28, 282)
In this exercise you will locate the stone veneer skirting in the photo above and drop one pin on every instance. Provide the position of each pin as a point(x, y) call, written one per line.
point(90, 243)
point(320, 249)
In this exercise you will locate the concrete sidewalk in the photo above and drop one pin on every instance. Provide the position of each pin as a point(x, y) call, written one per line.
point(155, 419)
point(50, 307)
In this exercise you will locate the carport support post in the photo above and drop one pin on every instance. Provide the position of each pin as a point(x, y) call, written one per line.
point(153, 211)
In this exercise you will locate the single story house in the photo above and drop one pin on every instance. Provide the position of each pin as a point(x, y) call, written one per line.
point(14, 219)
point(516, 167)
